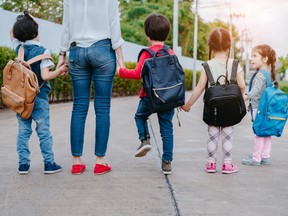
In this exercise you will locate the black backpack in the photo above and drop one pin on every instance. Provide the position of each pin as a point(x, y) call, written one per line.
point(163, 80)
point(223, 104)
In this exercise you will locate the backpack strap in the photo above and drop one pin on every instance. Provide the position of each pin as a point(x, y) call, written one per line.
point(151, 53)
point(165, 48)
point(33, 60)
point(208, 73)
point(267, 76)
point(234, 71)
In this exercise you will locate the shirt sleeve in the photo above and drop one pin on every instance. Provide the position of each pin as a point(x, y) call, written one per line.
point(15, 43)
point(114, 23)
point(65, 28)
point(47, 63)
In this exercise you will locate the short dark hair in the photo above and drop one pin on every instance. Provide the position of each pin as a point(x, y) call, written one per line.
point(25, 28)
point(157, 27)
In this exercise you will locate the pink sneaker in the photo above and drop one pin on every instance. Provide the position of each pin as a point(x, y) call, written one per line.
point(229, 168)
point(211, 167)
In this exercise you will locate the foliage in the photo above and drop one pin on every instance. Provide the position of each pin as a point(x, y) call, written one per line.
point(283, 85)
point(51, 10)
point(134, 12)
point(284, 64)
point(6, 54)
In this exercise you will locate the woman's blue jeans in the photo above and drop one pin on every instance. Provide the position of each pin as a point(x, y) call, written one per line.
point(96, 63)
point(165, 123)
point(41, 117)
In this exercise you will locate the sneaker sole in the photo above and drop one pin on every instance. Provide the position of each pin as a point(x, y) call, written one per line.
point(142, 151)
point(229, 172)
point(23, 172)
point(250, 164)
point(52, 172)
point(102, 172)
point(211, 171)
point(166, 172)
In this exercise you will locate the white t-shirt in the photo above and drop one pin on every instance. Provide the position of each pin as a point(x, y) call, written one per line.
point(218, 68)
point(88, 21)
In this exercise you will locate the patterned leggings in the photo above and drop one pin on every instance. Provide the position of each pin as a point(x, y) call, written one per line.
point(213, 140)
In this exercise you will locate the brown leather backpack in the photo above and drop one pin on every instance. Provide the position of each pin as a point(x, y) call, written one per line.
point(20, 84)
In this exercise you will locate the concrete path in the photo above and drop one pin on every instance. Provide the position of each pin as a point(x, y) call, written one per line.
point(136, 186)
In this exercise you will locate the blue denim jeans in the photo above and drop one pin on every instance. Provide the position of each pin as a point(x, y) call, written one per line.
point(41, 117)
point(165, 123)
point(96, 63)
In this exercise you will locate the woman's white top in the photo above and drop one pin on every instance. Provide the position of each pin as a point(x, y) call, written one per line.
point(88, 21)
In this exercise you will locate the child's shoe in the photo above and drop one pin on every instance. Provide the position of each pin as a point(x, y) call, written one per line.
point(210, 167)
point(166, 167)
point(144, 147)
point(23, 169)
point(100, 169)
point(78, 169)
point(229, 168)
point(50, 168)
point(265, 161)
point(250, 161)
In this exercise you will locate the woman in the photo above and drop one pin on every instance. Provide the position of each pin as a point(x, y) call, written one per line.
point(92, 34)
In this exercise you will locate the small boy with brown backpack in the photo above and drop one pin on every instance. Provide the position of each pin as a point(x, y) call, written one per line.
point(24, 36)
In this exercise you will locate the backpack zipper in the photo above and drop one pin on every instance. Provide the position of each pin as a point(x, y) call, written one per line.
point(165, 88)
point(276, 118)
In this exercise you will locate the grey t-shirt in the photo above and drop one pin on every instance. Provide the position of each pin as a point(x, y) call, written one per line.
point(258, 86)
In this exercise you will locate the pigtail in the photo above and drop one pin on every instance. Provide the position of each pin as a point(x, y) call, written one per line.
point(272, 61)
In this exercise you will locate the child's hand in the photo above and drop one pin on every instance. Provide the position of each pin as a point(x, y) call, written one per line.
point(245, 97)
point(248, 108)
point(185, 107)
point(64, 69)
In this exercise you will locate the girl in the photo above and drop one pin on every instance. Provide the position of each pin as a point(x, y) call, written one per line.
point(219, 43)
point(263, 58)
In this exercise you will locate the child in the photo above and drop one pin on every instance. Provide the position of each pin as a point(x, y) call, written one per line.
point(263, 58)
point(219, 42)
point(25, 30)
point(156, 28)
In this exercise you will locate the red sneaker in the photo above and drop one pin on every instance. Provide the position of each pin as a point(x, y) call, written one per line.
point(78, 169)
point(100, 169)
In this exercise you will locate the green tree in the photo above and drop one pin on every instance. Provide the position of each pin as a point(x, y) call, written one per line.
point(51, 10)
point(284, 64)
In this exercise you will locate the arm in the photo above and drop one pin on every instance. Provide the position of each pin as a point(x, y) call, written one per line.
point(65, 35)
point(46, 74)
point(134, 73)
point(114, 24)
point(196, 92)
point(241, 82)
point(120, 60)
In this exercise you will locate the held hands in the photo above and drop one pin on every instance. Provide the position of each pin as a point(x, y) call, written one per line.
point(185, 107)
point(63, 69)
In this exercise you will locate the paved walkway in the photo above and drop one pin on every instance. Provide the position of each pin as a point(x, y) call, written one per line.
point(136, 186)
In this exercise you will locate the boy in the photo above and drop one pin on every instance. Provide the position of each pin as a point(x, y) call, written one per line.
point(156, 28)
point(25, 30)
